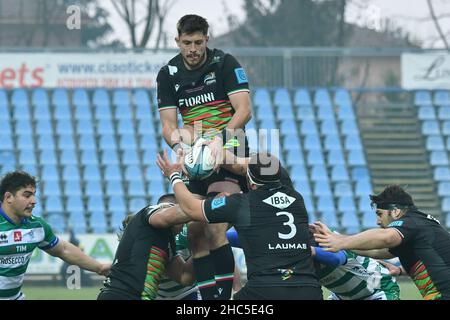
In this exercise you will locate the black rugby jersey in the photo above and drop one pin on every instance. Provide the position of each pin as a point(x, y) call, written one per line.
point(141, 257)
point(201, 95)
point(424, 253)
point(272, 224)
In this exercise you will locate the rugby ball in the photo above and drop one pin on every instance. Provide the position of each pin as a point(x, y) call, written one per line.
point(199, 161)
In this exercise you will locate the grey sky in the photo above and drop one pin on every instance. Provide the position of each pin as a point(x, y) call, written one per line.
point(400, 11)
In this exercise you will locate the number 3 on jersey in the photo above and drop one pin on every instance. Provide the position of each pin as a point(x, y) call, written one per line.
point(289, 223)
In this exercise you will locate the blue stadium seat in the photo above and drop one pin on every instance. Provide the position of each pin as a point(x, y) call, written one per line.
point(19, 102)
point(140, 98)
point(329, 218)
point(66, 141)
point(4, 103)
point(430, 127)
point(444, 113)
point(61, 112)
point(92, 172)
point(49, 172)
point(145, 126)
point(343, 189)
point(339, 173)
point(44, 126)
point(325, 112)
point(89, 157)
point(356, 158)
point(74, 203)
point(281, 97)
point(302, 98)
point(350, 222)
point(369, 220)
point(422, 98)
point(132, 173)
point(95, 203)
point(294, 157)
point(125, 126)
point(322, 98)
point(446, 205)
point(299, 172)
point(68, 156)
point(148, 142)
point(261, 97)
point(446, 128)
point(114, 188)
point(60, 98)
point(444, 189)
point(97, 222)
point(6, 127)
point(426, 113)
point(438, 158)
point(135, 188)
point(319, 173)
point(345, 113)
point(72, 188)
point(113, 172)
point(109, 157)
point(360, 173)
point(87, 142)
point(25, 141)
point(53, 203)
point(51, 188)
point(121, 97)
point(107, 142)
point(41, 108)
point(102, 111)
point(305, 113)
point(154, 99)
point(308, 127)
point(71, 172)
point(77, 221)
point(342, 98)
point(153, 173)
point(130, 156)
point(26, 157)
point(315, 157)
point(291, 141)
point(83, 112)
point(122, 111)
point(288, 126)
point(93, 188)
point(117, 204)
point(434, 143)
point(64, 126)
point(265, 112)
point(136, 204)
point(105, 126)
point(80, 98)
point(322, 188)
point(447, 145)
point(442, 98)
point(328, 127)
point(348, 126)
point(346, 203)
point(353, 142)
point(363, 188)
point(7, 142)
point(335, 157)
point(364, 204)
point(312, 142)
point(116, 220)
point(57, 221)
point(309, 205)
point(100, 98)
point(332, 142)
point(48, 157)
point(156, 189)
point(127, 141)
point(23, 126)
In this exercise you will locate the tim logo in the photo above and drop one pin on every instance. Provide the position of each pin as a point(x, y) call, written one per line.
point(17, 236)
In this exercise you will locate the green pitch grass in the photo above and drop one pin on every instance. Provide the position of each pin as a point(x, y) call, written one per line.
point(408, 291)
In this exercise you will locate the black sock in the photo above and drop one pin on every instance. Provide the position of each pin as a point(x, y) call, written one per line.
point(204, 273)
point(224, 266)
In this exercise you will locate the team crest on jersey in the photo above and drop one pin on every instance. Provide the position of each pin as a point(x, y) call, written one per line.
point(210, 78)
point(279, 200)
point(172, 70)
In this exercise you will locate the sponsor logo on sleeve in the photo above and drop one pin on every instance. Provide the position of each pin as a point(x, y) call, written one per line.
point(241, 77)
point(395, 224)
point(217, 203)
point(17, 236)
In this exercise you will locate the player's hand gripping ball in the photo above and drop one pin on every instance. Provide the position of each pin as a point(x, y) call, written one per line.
point(199, 161)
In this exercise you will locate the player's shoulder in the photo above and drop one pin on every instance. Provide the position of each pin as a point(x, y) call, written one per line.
point(172, 66)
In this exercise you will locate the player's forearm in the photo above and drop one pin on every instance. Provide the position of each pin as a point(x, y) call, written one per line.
point(188, 203)
point(368, 240)
point(73, 255)
point(171, 134)
point(242, 115)
point(375, 253)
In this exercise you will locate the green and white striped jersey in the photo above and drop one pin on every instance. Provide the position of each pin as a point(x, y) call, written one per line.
point(17, 243)
point(360, 278)
point(172, 290)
